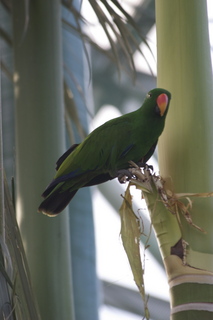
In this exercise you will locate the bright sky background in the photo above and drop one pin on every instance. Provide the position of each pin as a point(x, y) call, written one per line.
point(112, 263)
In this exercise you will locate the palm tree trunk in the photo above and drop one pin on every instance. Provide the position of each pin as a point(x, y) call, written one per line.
point(40, 140)
point(185, 153)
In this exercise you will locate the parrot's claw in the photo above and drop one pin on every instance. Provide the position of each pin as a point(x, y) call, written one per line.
point(145, 166)
point(148, 167)
point(124, 175)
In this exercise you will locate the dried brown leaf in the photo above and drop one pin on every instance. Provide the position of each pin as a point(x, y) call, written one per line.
point(130, 234)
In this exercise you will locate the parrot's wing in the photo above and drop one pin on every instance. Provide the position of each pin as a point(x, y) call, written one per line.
point(99, 152)
point(65, 155)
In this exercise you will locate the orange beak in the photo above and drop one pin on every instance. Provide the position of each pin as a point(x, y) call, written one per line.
point(162, 102)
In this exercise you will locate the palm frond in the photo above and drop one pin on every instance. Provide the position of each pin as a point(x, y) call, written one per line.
point(78, 31)
point(6, 71)
point(71, 113)
point(105, 23)
point(7, 4)
point(121, 30)
point(5, 36)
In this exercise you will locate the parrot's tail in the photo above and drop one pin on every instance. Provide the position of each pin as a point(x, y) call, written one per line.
point(56, 202)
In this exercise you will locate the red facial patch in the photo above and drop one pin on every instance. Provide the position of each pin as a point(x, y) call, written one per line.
point(162, 102)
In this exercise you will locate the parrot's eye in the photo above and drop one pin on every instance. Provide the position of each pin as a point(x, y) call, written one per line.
point(148, 95)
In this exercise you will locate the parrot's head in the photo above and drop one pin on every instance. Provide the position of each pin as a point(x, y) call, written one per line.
point(157, 102)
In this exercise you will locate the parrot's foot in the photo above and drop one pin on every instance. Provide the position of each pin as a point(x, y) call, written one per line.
point(138, 174)
point(134, 172)
point(124, 175)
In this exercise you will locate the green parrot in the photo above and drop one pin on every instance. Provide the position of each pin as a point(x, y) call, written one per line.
point(106, 152)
